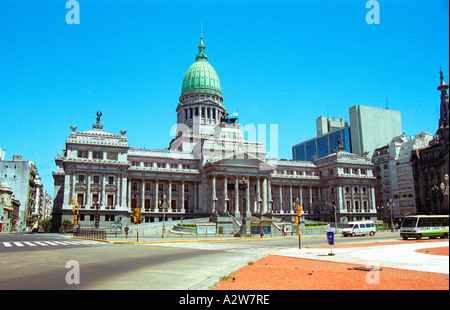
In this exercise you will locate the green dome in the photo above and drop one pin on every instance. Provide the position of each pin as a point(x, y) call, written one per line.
point(201, 76)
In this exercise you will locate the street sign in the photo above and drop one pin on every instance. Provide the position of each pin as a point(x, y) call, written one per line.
point(116, 227)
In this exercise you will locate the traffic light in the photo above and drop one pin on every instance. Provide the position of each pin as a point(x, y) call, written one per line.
point(72, 203)
point(299, 210)
point(136, 215)
point(296, 219)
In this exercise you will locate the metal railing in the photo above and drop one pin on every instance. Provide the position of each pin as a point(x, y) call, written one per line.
point(98, 234)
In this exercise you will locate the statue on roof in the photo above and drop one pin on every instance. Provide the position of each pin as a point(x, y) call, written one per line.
point(99, 114)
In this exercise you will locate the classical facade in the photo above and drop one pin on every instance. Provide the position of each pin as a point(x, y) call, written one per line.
point(208, 169)
point(430, 164)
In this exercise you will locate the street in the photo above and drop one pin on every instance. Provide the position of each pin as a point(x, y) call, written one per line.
point(162, 266)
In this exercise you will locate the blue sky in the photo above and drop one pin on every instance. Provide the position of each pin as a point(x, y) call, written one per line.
point(281, 62)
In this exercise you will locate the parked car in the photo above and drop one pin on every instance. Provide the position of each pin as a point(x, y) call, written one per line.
point(359, 228)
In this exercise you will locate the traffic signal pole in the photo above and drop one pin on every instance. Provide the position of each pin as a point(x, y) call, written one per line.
point(299, 213)
point(136, 220)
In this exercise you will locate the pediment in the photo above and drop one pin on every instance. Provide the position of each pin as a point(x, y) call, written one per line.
point(241, 160)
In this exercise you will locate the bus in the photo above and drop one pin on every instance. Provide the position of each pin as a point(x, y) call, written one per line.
point(418, 226)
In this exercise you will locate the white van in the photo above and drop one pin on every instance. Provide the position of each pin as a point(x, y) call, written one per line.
point(359, 228)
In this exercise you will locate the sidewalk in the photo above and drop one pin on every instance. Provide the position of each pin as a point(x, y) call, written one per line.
point(382, 266)
point(401, 256)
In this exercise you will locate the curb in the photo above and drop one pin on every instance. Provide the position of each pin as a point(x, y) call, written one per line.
point(203, 240)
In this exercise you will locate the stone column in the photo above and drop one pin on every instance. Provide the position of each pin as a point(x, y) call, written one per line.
point(258, 195)
point(72, 190)
point(236, 197)
point(116, 203)
point(213, 184)
point(269, 196)
point(142, 194)
point(66, 198)
point(281, 199)
point(182, 197)
point(88, 190)
point(156, 194)
point(264, 196)
point(169, 195)
point(247, 199)
point(291, 202)
point(310, 198)
point(301, 196)
point(225, 193)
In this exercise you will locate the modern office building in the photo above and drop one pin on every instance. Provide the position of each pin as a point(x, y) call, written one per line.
point(369, 128)
point(331, 134)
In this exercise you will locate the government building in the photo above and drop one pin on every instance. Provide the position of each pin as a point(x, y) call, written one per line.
point(209, 169)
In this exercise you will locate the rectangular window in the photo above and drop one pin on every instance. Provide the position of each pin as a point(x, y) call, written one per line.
point(97, 154)
point(110, 200)
point(112, 155)
point(94, 198)
point(80, 199)
point(82, 154)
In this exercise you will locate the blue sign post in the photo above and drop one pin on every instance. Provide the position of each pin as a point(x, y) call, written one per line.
point(330, 238)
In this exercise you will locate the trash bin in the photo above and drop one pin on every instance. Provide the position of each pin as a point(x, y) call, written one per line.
point(330, 237)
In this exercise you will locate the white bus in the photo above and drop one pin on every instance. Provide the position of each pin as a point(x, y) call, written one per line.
point(418, 226)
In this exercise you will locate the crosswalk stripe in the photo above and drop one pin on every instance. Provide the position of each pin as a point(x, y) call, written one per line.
point(61, 242)
point(12, 244)
point(51, 243)
point(29, 243)
point(40, 243)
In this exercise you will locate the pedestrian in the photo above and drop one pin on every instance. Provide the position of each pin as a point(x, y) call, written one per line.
point(261, 232)
point(126, 232)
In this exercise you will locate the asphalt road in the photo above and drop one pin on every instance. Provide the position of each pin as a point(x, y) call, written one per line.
point(61, 265)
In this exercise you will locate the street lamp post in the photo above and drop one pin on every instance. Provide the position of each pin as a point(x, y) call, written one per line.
point(444, 187)
point(391, 206)
point(164, 207)
point(335, 216)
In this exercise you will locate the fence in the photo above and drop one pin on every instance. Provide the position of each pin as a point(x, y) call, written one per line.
point(98, 234)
